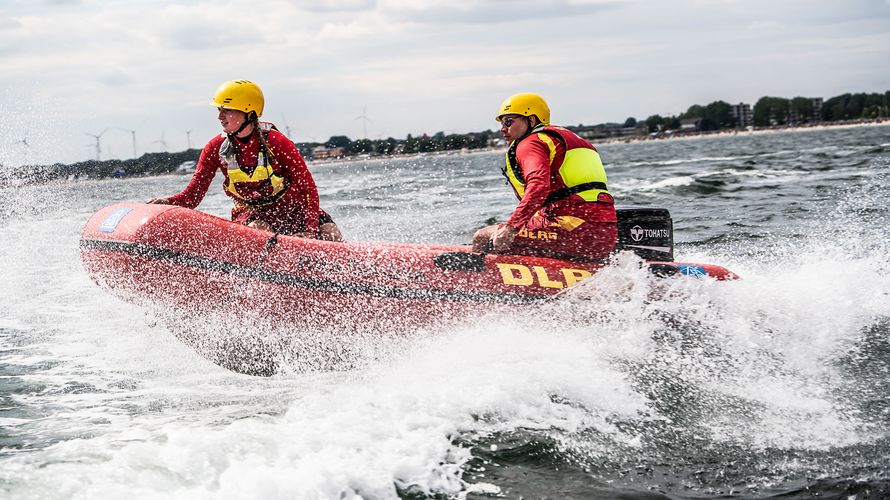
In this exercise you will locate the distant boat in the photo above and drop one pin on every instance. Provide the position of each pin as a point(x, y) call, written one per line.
point(186, 167)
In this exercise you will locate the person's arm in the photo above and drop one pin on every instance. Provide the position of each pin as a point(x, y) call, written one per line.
point(534, 159)
point(300, 178)
point(194, 192)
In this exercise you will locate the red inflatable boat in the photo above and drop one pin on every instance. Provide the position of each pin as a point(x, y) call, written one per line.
point(190, 261)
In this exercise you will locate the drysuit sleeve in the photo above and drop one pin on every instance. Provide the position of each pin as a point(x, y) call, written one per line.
point(533, 156)
point(194, 192)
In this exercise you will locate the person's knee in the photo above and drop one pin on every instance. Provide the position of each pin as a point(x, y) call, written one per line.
point(329, 232)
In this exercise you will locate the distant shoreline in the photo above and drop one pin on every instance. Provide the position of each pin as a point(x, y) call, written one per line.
point(756, 131)
point(153, 164)
point(448, 152)
point(621, 140)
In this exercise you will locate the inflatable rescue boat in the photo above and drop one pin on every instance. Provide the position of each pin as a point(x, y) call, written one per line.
point(198, 262)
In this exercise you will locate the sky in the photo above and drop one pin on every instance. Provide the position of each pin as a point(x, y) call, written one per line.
point(74, 69)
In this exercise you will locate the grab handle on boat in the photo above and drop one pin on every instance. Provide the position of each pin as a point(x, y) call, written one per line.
point(270, 244)
point(662, 270)
point(461, 261)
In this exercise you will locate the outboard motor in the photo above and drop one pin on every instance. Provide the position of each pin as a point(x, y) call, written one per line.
point(648, 232)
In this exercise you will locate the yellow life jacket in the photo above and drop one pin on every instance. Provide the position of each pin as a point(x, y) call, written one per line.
point(258, 185)
point(581, 171)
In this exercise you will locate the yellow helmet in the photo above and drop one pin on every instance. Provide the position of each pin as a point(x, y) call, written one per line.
point(525, 104)
point(242, 95)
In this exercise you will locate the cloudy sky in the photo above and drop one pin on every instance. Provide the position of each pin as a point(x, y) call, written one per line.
point(70, 68)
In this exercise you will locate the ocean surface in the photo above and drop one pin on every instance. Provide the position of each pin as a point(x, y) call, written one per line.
point(774, 386)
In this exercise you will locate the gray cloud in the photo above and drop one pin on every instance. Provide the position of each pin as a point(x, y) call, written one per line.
point(9, 24)
point(494, 12)
point(200, 37)
point(115, 77)
point(335, 5)
point(321, 62)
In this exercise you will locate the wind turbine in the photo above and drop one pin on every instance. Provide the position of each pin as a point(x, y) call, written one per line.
point(364, 118)
point(286, 126)
point(25, 147)
point(133, 133)
point(162, 142)
point(97, 136)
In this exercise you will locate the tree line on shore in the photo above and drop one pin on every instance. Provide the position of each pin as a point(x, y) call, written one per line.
point(716, 116)
point(165, 162)
point(777, 112)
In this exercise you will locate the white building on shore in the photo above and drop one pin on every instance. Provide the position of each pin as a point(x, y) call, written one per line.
point(742, 113)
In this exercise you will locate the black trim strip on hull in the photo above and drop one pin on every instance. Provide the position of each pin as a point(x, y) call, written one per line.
point(290, 280)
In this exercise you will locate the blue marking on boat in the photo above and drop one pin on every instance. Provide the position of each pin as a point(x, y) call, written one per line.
point(696, 271)
point(110, 223)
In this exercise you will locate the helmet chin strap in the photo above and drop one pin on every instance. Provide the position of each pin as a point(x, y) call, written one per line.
point(250, 118)
point(528, 131)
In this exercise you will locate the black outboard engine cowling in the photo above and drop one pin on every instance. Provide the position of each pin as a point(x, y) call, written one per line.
point(648, 232)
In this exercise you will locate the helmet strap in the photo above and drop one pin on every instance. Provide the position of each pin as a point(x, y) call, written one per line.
point(249, 118)
point(528, 130)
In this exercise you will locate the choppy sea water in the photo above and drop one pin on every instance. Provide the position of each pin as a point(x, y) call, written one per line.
point(774, 386)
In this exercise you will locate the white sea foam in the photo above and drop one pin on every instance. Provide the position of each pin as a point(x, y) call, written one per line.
point(111, 405)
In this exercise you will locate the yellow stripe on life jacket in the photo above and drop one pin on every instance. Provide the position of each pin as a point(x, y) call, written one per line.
point(513, 174)
point(550, 145)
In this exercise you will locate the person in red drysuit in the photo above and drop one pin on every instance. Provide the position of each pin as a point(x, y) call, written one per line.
point(565, 209)
point(263, 170)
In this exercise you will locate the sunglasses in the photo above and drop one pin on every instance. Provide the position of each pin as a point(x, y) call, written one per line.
point(507, 121)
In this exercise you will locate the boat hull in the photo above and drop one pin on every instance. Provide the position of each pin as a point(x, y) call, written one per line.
point(173, 258)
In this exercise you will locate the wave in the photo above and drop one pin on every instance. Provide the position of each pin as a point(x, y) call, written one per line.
point(627, 384)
